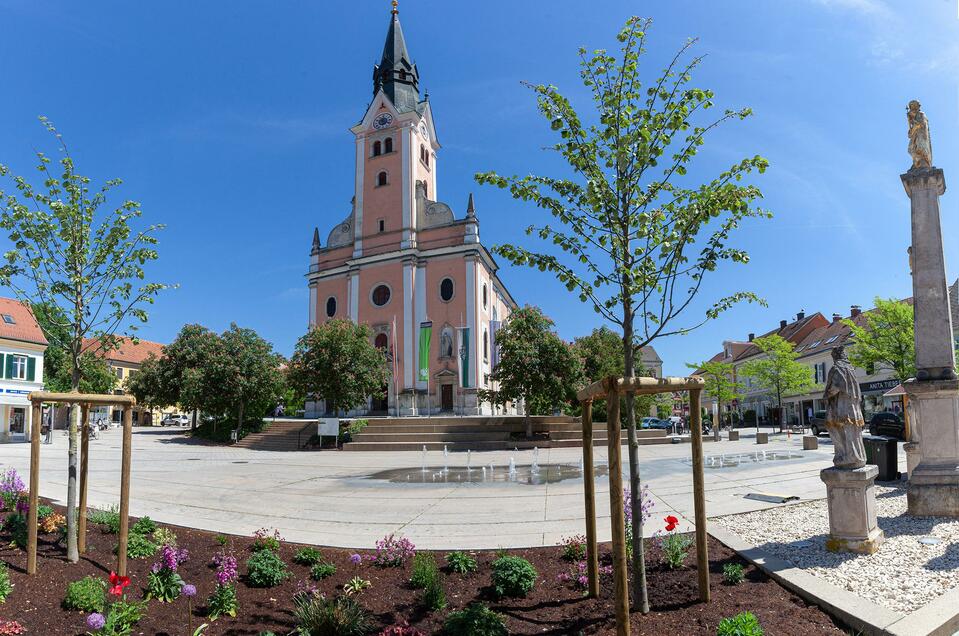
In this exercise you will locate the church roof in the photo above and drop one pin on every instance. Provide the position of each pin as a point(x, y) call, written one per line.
point(396, 73)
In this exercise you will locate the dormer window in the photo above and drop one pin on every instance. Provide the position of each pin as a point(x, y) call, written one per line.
point(388, 145)
point(382, 179)
point(7, 318)
point(377, 149)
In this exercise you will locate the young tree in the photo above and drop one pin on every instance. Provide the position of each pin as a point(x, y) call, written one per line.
point(337, 361)
point(535, 365)
point(777, 370)
point(886, 340)
point(89, 264)
point(635, 237)
point(719, 382)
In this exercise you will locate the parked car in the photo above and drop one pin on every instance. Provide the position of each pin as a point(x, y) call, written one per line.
point(888, 423)
point(666, 425)
point(818, 423)
point(175, 419)
point(647, 422)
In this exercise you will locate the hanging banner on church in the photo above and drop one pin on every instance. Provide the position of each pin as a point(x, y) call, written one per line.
point(426, 332)
point(465, 356)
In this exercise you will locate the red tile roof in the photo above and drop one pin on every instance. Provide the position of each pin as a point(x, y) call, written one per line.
point(25, 327)
point(127, 350)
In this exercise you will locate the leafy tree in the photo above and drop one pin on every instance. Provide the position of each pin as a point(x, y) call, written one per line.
point(89, 264)
point(338, 362)
point(635, 238)
point(720, 384)
point(95, 374)
point(601, 355)
point(777, 370)
point(535, 365)
point(886, 340)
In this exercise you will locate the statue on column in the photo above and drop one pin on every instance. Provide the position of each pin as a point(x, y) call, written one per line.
point(920, 143)
point(844, 419)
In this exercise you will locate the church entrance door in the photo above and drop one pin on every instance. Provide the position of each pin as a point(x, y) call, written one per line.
point(446, 398)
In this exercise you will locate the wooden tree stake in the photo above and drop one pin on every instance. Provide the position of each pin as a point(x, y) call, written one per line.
point(699, 493)
point(35, 416)
point(617, 517)
point(589, 488)
point(84, 465)
point(125, 490)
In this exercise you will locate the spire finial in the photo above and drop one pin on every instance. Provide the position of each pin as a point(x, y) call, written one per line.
point(470, 208)
point(396, 10)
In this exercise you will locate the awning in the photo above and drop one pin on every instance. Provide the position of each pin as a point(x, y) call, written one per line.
point(895, 392)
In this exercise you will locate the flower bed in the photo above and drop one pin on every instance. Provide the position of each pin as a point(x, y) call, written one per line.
point(554, 605)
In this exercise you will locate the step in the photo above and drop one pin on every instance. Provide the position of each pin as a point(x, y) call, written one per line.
point(602, 432)
point(488, 446)
point(489, 436)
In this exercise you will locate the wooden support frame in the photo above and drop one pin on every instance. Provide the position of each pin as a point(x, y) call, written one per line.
point(84, 401)
point(610, 390)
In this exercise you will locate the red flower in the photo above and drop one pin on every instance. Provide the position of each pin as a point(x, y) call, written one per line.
point(118, 582)
point(671, 523)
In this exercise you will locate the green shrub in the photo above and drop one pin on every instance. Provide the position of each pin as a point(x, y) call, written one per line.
point(164, 536)
point(266, 569)
point(424, 570)
point(44, 512)
point(5, 585)
point(475, 620)
point(138, 546)
point(434, 596)
point(742, 624)
point(16, 525)
point(322, 570)
point(121, 616)
point(513, 576)
point(86, 595)
point(144, 525)
point(733, 573)
point(222, 602)
point(308, 556)
point(574, 548)
point(221, 539)
point(675, 549)
point(460, 562)
point(316, 615)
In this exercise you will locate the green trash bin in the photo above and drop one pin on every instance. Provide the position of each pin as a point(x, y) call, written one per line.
point(883, 452)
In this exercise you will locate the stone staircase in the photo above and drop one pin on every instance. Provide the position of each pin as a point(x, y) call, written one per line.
point(481, 434)
point(282, 435)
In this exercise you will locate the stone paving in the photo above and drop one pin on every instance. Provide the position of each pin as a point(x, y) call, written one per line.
point(325, 497)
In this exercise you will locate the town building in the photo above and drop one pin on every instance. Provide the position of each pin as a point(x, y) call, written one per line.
point(125, 360)
point(22, 345)
point(407, 264)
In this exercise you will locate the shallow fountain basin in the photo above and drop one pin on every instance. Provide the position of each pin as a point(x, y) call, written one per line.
point(544, 474)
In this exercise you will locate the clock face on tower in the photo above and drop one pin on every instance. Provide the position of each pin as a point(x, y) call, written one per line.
point(382, 120)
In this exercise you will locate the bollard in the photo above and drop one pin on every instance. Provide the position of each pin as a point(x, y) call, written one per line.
point(762, 438)
point(733, 436)
point(810, 442)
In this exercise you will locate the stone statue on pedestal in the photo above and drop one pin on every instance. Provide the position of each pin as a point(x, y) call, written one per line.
point(920, 142)
point(844, 419)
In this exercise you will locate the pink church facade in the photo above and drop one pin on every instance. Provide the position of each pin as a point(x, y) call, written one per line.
point(405, 263)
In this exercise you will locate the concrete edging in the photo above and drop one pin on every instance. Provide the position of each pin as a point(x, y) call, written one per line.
point(939, 617)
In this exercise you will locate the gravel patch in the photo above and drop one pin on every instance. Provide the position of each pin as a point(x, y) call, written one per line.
point(903, 575)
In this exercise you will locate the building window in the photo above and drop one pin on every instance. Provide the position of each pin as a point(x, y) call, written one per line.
point(424, 155)
point(19, 368)
point(119, 373)
point(381, 225)
point(485, 296)
point(377, 149)
point(7, 318)
point(382, 179)
point(388, 145)
point(330, 307)
point(485, 346)
point(446, 290)
point(380, 295)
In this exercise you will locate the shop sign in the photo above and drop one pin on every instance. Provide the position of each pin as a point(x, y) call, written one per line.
point(878, 386)
point(16, 391)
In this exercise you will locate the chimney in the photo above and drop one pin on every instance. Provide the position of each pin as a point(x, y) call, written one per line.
point(782, 324)
point(855, 310)
point(801, 315)
point(752, 337)
point(836, 318)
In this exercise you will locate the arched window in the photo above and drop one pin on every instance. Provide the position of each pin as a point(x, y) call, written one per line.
point(330, 307)
point(381, 341)
point(485, 296)
point(377, 149)
point(388, 145)
point(382, 179)
point(446, 290)
point(380, 295)
point(424, 155)
point(485, 346)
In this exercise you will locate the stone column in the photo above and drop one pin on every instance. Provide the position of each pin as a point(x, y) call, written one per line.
point(934, 392)
point(851, 497)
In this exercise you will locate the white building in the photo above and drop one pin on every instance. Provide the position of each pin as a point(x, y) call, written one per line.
point(22, 346)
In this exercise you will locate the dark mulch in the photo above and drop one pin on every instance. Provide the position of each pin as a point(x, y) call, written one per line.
point(552, 608)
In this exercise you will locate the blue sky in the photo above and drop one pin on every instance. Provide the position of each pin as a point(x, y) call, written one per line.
point(229, 123)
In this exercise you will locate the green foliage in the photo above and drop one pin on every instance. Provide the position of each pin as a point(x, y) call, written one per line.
point(886, 339)
point(475, 620)
point(16, 524)
point(307, 556)
point(338, 361)
point(266, 569)
point(675, 548)
point(434, 596)
point(144, 526)
point(743, 624)
point(164, 536)
point(110, 518)
point(720, 384)
point(222, 602)
point(139, 546)
point(43, 512)
point(513, 576)
point(733, 573)
point(574, 548)
point(221, 539)
point(86, 595)
point(535, 365)
point(356, 585)
point(460, 562)
point(121, 616)
point(316, 615)
point(322, 570)
point(6, 586)
point(777, 370)
point(352, 429)
point(164, 585)
point(424, 570)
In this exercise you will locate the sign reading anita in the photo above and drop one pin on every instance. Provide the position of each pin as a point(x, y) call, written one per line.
point(878, 385)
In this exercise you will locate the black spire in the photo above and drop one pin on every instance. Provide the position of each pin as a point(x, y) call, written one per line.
point(396, 74)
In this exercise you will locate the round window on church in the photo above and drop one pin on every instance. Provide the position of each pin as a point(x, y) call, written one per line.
point(446, 289)
point(380, 295)
point(330, 307)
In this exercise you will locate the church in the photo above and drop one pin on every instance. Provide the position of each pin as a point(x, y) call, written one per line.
point(405, 263)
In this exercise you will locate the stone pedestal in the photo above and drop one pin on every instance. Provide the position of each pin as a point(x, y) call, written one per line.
point(851, 497)
point(934, 482)
point(912, 456)
point(810, 442)
point(762, 438)
point(733, 436)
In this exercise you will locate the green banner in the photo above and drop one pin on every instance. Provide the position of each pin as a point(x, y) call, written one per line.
point(426, 332)
point(465, 356)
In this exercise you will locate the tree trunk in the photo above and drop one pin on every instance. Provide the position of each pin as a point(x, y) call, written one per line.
point(193, 425)
point(640, 597)
point(73, 551)
point(529, 420)
point(239, 422)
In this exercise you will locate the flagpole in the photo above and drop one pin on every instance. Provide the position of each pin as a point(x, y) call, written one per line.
point(396, 394)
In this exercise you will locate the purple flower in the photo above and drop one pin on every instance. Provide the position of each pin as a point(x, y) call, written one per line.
point(10, 482)
point(356, 559)
point(188, 590)
point(226, 568)
point(96, 621)
point(23, 507)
